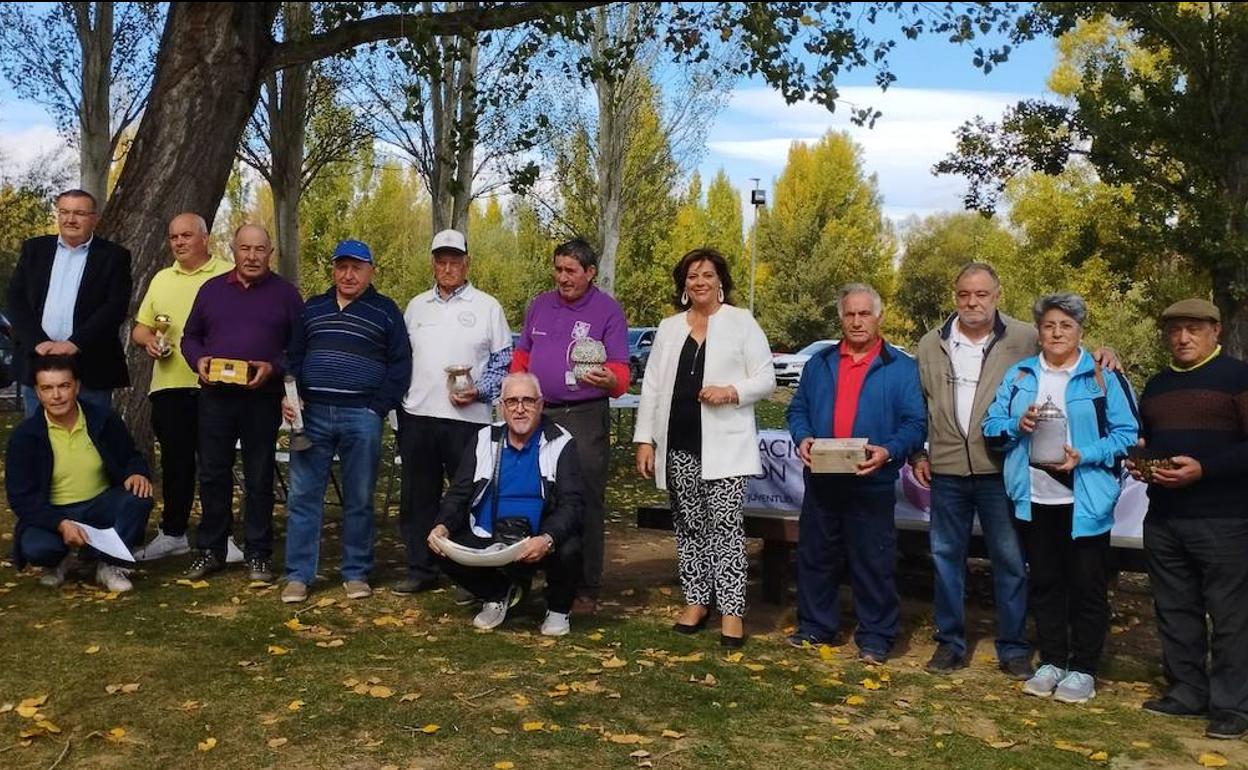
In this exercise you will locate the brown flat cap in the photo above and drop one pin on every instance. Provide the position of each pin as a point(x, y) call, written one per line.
point(1200, 309)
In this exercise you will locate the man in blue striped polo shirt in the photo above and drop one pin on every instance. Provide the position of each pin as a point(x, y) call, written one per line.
point(352, 360)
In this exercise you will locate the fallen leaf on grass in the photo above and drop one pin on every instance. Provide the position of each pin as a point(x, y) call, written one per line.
point(1000, 744)
point(409, 697)
point(673, 734)
point(530, 727)
point(614, 662)
point(113, 689)
point(826, 652)
point(294, 705)
point(189, 705)
point(1141, 744)
point(332, 643)
point(294, 625)
point(1211, 759)
point(277, 649)
point(628, 739)
point(870, 684)
point(430, 729)
point(48, 726)
point(30, 706)
point(709, 680)
point(504, 765)
point(639, 754)
point(691, 658)
point(277, 743)
point(1098, 756)
point(208, 744)
point(855, 700)
point(755, 667)
point(116, 735)
point(734, 657)
point(387, 620)
point(520, 700)
point(379, 691)
point(93, 649)
point(840, 721)
point(499, 731)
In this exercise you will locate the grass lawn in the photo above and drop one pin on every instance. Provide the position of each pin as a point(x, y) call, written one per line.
point(174, 675)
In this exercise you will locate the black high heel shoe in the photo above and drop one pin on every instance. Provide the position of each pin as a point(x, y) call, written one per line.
point(688, 629)
point(731, 642)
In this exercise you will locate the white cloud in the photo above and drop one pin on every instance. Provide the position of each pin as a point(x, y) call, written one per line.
point(21, 148)
point(753, 134)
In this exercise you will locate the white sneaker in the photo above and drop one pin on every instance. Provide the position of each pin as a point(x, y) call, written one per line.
point(1044, 681)
point(113, 578)
point(493, 614)
point(233, 554)
point(1075, 687)
point(53, 577)
point(556, 624)
point(161, 546)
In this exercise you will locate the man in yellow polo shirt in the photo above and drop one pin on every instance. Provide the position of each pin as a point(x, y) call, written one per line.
point(68, 465)
point(174, 391)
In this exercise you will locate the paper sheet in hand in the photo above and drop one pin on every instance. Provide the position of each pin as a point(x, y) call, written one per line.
point(494, 555)
point(106, 541)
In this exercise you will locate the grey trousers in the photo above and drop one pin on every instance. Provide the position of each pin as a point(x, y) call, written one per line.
point(590, 424)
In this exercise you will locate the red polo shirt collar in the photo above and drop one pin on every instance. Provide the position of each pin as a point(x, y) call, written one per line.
point(850, 376)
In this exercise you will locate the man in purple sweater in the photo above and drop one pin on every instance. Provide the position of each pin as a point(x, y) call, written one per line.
point(247, 314)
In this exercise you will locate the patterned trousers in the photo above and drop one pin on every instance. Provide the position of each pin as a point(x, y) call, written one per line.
point(710, 534)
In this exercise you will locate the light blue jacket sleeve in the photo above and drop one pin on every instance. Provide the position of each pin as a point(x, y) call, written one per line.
point(1122, 429)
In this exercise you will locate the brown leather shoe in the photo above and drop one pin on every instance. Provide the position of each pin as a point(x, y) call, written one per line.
point(584, 605)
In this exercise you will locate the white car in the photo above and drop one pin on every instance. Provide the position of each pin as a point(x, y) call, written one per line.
point(789, 366)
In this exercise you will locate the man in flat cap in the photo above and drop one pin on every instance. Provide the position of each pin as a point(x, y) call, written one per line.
point(1194, 415)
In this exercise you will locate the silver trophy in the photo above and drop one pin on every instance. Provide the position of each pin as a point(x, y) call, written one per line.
point(459, 379)
point(1048, 440)
point(299, 440)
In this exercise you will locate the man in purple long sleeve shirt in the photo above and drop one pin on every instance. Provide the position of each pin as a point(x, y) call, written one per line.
point(249, 314)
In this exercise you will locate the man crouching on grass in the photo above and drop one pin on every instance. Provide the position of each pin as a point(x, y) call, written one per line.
point(521, 476)
point(72, 463)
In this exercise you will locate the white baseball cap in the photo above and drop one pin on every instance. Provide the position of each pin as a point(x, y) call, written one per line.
point(450, 239)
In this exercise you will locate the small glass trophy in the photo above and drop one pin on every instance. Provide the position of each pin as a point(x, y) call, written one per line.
point(163, 322)
point(299, 440)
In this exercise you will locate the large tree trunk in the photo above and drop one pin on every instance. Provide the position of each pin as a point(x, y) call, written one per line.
point(453, 124)
point(207, 83)
point(95, 146)
point(288, 111)
point(615, 107)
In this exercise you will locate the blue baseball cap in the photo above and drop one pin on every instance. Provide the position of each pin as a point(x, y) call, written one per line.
point(353, 250)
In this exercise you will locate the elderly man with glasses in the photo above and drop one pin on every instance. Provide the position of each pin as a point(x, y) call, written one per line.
point(521, 477)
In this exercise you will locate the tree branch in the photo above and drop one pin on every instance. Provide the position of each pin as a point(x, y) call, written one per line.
point(351, 34)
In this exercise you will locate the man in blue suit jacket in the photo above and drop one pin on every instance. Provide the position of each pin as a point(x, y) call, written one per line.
point(861, 387)
point(68, 296)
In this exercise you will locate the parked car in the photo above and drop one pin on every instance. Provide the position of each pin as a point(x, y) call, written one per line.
point(789, 366)
point(640, 340)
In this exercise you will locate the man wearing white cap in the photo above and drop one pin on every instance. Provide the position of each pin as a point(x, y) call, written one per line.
point(454, 324)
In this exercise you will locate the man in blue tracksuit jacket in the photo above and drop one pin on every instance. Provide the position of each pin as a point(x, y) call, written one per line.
point(861, 387)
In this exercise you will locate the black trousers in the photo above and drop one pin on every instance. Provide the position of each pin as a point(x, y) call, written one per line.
point(251, 418)
point(175, 421)
point(1198, 568)
point(1069, 587)
point(562, 569)
point(431, 449)
point(590, 423)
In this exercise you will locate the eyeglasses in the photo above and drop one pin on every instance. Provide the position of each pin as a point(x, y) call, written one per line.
point(80, 213)
point(1049, 327)
point(528, 402)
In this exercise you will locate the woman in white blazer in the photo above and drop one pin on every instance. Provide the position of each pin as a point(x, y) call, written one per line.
point(696, 435)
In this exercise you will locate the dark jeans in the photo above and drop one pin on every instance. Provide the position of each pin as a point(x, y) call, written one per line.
point(845, 519)
point(1069, 589)
point(251, 418)
point(114, 508)
point(562, 569)
point(590, 424)
point(431, 448)
point(956, 501)
point(1199, 567)
point(175, 421)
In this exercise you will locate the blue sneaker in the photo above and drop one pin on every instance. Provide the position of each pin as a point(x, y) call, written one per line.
point(1075, 687)
point(1044, 681)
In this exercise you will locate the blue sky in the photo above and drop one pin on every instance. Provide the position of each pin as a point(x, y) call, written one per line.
point(937, 89)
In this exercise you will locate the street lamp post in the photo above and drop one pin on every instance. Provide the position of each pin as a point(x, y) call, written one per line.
point(758, 198)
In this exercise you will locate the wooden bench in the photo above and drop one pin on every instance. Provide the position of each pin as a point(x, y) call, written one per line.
point(778, 531)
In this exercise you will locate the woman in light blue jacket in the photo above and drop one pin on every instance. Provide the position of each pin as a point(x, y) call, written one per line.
point(1066, 510)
